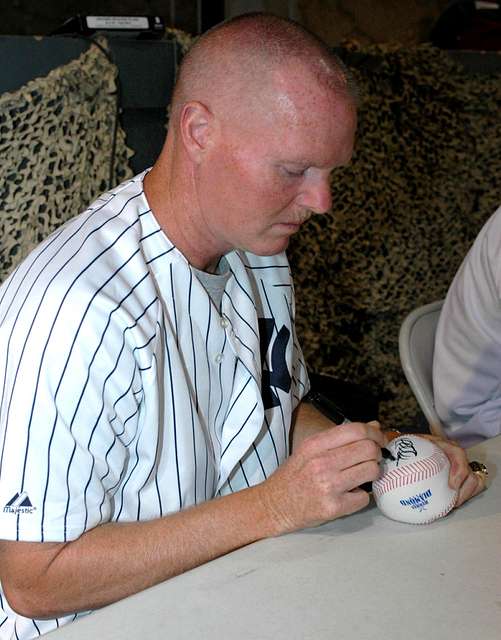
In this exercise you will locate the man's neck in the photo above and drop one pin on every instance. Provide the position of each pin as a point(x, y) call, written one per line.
point(178, 215)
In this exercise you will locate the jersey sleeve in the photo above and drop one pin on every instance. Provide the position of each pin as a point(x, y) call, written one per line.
point(70, 406)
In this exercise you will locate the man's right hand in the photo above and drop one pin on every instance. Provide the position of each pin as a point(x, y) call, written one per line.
point(320, 481)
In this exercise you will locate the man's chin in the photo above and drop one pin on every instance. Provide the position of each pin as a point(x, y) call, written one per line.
point(269, 248)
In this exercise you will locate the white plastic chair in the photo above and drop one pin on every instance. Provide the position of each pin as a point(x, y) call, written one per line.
point(416, 346)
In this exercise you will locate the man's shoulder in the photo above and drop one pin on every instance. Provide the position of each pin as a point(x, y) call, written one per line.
point(109, 223)
point(481, 264)
point(97, 251)
point(115, 209)
point(488, 239)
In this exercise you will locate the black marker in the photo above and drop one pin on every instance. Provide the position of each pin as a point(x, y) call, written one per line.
point(326, 407)
point(330, 410)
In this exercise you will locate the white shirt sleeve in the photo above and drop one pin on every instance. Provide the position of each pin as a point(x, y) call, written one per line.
point(467, 359)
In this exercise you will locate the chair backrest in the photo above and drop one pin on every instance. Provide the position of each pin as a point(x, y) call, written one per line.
point(416, 347)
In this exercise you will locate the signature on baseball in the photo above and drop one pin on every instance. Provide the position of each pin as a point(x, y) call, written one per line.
point(405, 450)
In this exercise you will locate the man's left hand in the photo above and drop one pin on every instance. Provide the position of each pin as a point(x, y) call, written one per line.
point(461, 477)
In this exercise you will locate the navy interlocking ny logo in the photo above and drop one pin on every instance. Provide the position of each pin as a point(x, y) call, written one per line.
point(278, 376)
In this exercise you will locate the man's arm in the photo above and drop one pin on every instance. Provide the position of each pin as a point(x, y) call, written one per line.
point(466, 370)
point(115, 560)
point(307, 421)
point(317, 483)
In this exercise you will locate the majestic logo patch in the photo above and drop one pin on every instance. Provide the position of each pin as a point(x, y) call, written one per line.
point(278, 376)
point(19, 503)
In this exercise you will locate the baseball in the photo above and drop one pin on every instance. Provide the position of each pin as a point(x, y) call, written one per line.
point(414, 486)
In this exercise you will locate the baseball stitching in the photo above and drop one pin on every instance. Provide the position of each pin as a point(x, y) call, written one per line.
point(443, 513)
point(411, 473)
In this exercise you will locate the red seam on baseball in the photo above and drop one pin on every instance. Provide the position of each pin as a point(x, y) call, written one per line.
point(443, 513)
point(411, 473)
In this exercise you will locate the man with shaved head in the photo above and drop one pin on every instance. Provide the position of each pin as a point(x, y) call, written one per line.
point(157, 422)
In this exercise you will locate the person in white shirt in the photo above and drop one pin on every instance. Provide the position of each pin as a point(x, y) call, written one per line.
point(466, 363)
point(151, 416)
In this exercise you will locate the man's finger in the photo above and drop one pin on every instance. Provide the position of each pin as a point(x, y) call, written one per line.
point(474, 484)
point(460, 469)
point(353, 501)
point(346, 434)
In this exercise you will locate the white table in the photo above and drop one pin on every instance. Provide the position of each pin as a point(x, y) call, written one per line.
point(361, 577)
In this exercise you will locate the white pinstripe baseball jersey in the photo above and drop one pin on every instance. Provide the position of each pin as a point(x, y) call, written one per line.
point(125, 393)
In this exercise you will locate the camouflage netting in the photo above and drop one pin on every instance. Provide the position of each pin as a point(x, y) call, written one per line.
point(425, 176)
point(56, 139)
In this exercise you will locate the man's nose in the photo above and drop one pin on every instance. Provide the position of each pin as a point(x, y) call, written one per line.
point(316, 195)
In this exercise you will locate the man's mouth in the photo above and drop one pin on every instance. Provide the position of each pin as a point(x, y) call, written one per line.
point(298, 222)
point(292, 226)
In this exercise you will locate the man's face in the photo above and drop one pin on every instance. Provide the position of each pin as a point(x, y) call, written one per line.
point(267, 174)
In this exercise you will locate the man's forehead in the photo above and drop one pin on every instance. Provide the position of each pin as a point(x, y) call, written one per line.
point(321, 137)
point(299, 92)
point(315, 74)
point(291, 111)
point(309, 114)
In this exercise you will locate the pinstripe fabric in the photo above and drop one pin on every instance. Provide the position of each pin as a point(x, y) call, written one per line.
point(125, 394)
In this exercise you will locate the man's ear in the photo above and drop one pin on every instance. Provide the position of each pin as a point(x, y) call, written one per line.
point(197, 129)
